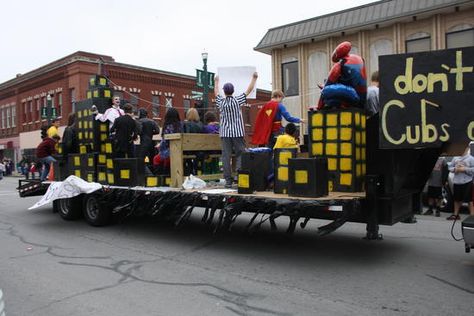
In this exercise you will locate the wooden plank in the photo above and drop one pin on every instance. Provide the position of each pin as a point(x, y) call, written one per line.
point(176, 161)
point(201, 142)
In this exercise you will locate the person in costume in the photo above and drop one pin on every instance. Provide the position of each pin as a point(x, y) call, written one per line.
point(346, 85)
point(268, 122)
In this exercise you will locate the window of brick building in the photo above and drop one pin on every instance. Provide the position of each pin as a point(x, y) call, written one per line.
point(3, 117)
point(30, 111)
point(289, 72)
point(60, 104)
point(72, 93)
point(134, 101)
point(14, 115)
point(155, 105)
point(460, 38)
point(186, 104)
point(8, 117)
point(25, 112)
point(38, 109)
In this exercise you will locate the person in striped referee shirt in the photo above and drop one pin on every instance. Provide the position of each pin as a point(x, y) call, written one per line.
point(232, 124)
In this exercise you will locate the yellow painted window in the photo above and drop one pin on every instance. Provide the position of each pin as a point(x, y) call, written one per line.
point(346, 149)
point(363, 138)
point(110, 178)
point(101, 176)
point(317, 148)
point(301, 176)
point(317, 134)
point(317, 119)
point(79, 114)
point(90, 162)
point(124, 173)
point(282, 174)
point(345, 164)
point(167, 181)
point(102, 81)
point(103, 128)
point(284, 156)
point(103, 137)
point(90, 177)
point(331, 133)
point(330, 186)
point(331, 120)
point(108, 148)
point(244, 181)
point(80, 124)
point(345, 118)
point(363, 153)
point(362, 121)
point(151, 181)
point(345, 179)
point(77, 161)
point(358, 170)
point(96, 93)
point(77, 173)
point(358, 154)
point(331, 149)
point(110, 164)
point(346, 134)
point(357, 119)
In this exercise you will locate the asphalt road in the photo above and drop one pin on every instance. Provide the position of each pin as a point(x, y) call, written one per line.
point(140, 267)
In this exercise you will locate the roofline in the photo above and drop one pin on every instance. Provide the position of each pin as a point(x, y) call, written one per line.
point(264, 49)
point(82, 56)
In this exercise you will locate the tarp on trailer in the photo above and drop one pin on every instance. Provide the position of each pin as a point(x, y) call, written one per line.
point(68, 188)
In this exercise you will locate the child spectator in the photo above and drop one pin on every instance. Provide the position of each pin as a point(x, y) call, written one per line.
point(287, 140)
point(212, 125)
point(436, 181)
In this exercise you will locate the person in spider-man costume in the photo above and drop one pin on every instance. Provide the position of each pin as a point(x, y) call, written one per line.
point(346, 85)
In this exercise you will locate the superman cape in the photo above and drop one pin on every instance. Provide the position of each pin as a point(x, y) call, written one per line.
point(264, 123)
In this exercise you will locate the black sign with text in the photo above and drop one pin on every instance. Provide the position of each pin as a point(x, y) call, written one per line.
point(427, 99)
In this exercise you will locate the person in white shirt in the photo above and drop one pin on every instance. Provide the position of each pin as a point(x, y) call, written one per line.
point(111, 113)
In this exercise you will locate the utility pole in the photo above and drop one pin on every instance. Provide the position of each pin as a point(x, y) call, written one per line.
point(205, 97)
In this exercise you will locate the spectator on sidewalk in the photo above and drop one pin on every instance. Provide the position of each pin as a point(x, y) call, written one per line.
point(2, 169)
point(463, 169)
point(436, 181)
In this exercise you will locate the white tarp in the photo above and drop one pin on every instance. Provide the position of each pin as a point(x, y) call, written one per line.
point(68, 188)
point(240, 77)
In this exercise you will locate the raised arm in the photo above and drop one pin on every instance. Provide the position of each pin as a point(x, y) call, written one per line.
point(216, 86)
point(252, 84)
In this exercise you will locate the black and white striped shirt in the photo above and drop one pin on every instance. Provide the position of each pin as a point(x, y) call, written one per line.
point(231, 121)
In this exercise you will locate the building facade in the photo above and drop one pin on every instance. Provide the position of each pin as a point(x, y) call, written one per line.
point(301, 51)
point(66, 81)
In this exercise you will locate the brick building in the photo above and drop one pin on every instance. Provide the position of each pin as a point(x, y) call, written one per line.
point(301, 51)
point(66, 81)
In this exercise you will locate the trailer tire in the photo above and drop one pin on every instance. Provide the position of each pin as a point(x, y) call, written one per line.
point(69, 209)
point(95, 213)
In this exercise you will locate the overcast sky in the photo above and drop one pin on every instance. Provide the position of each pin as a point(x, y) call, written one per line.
point(167, 35)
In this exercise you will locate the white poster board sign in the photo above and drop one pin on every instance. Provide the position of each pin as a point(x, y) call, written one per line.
point(68, 188)
point(240, 77)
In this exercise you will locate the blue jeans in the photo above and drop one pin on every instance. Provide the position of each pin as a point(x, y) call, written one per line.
point(46, 161)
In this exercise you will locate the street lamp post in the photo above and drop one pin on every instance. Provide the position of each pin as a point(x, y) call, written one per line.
point(49, 109)
point(205, 96)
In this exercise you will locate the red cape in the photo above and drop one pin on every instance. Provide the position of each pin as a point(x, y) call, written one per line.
point(264, 123)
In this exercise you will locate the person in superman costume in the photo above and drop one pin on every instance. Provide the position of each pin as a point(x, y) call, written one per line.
point(346, 85)
point(268, 123)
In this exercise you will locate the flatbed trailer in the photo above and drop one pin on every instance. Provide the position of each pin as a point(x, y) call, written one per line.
point(418, 121)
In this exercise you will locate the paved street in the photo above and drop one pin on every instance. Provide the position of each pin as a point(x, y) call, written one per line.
point(52, 267)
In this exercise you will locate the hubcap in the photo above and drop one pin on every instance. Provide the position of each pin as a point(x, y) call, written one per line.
point(64, 206)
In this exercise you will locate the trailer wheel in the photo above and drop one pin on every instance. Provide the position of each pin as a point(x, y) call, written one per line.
point(95, 214)
point(69, 209)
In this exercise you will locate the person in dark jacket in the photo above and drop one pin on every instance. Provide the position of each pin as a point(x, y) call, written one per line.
point(192, 124)
point(125, 131)
point(148, 128)
point(44, 152)
point(70, 144)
